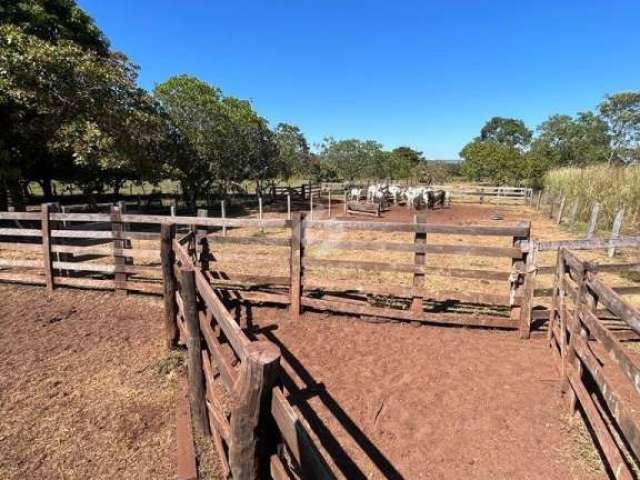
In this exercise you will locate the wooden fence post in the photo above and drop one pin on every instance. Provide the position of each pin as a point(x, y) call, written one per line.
point(344, 205)
point(311, 206)
point(617, 228)
point(223, 213)
point(561, 210)
point(258, 373)
point(46, 246)
point(420, 238)
point(539, 200)
point(593, 220)
point(518, 278)
point(169, 282)
point(117, 229)
point(531, 271)
point(201, 240)
point(551, 205)
point(329, 203)
point(188, 293)
point(295, 267)
point(260, 212)
point(288, 206)
point(573, 217)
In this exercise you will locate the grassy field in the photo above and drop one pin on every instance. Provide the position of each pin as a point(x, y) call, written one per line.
point(612, 187)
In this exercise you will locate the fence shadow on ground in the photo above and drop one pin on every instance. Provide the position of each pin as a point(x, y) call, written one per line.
point(300, 397)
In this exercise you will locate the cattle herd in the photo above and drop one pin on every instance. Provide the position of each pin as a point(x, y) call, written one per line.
point(413, 197)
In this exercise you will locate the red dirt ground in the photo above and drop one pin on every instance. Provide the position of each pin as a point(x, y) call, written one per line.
point(86, 386)
point(396, 401)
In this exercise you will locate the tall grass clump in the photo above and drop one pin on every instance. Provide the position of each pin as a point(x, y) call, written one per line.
point(613, 186)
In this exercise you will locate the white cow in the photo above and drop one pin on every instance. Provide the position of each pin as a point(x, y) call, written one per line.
point(355, 194)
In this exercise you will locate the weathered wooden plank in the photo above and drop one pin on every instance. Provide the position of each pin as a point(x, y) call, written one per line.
point(605, 439)
point(205, 221)
point(46, 245)
point(611, 345)
point(437, 318)
point(236, 337)
point(320, 263)
point(20, 232)
point(26, 278)
point(589, 244)
point(228, 374)
point(81, 217)
point(85, 283)
point(4, 262)
point(417, 302)
point(329, 285)
point(470, 250)
point(232, 240)
point(295, 433)
point(338, 225)
point(20, 216)
point(30, 247)
point(610, 299)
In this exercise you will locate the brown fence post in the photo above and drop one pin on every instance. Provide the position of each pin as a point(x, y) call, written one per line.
point(518, 277)
point(419, 239)
point(194, 350)
point(167, 256)
point(573, 216)
point(615, 231)
point(117, 229)
point(46, 246)
point(539, 200)
point(252, 392)
point(593, 220)
point(527, 290)
point(561, 210)
point(295, 267)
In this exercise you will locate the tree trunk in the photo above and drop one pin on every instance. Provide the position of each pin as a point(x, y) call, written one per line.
point(47, 191)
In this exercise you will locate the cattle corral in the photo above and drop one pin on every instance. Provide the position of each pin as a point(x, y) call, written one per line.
point(373, 399)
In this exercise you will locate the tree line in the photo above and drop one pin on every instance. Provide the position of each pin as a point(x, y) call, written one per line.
point(71, 113)
point(508, 152)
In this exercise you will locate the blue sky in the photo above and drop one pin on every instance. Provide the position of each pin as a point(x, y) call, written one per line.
point(417, 73)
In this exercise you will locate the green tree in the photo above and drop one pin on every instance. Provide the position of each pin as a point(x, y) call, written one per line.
point(355, 159)
point(293, 150)
point(68, 110)
point(508, 131)
point(573, 142)
point(491, 160)
point(622, 112)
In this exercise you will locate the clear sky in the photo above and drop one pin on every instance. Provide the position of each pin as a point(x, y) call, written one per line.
point(420, 73)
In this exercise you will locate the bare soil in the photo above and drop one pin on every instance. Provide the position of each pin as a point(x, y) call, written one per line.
point(87, 389)
point(390, 401)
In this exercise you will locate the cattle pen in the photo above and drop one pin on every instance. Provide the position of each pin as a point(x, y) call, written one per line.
point(419, 272)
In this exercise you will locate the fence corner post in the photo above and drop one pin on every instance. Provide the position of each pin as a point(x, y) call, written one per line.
point(169, 282)
point(258, 374)
point(188, 293)
point(46, 246)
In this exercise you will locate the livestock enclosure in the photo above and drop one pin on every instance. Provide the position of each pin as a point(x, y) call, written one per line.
point(492, 277)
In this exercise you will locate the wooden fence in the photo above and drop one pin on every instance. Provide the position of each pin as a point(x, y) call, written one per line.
point(121, 252)
point(234, 386)
point(598, 372)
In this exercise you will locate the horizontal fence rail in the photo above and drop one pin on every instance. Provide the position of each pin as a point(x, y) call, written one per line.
point(599, 375)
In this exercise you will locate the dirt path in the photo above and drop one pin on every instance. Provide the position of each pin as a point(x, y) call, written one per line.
point(396, 401)
point(86, 388)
